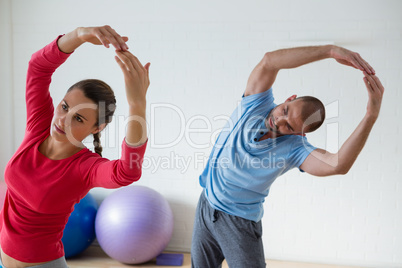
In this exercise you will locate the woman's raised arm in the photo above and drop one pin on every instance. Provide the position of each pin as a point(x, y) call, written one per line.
point(136, 77)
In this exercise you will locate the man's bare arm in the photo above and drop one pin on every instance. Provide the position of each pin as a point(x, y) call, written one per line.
point(264, 74)
point(323, 163)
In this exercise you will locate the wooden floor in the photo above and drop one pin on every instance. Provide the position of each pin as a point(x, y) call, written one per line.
point(94, 257)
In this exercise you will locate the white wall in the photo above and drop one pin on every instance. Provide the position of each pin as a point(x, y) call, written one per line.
point(202, 53)
point(6, 86)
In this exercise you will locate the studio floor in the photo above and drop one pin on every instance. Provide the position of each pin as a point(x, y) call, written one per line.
point(95, 257)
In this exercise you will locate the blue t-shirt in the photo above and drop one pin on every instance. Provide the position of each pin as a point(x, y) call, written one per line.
point(240, 168)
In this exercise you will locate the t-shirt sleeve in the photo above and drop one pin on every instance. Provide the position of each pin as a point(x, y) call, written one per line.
point(257, 100)
point(101, 172)
point(41, 67)
point(299, 151)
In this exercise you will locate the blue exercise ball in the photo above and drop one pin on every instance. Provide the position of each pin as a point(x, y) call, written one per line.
point(79, 232)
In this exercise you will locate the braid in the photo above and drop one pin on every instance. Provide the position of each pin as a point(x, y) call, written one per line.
point(97, 144)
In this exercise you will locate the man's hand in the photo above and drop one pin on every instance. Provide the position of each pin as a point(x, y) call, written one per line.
point(375, 91)
point(350, 58)
point(323, 163)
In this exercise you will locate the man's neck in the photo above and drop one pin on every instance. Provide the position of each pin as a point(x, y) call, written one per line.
point(270, 135)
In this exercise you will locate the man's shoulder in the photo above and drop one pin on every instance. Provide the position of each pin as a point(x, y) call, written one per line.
point(254, 97)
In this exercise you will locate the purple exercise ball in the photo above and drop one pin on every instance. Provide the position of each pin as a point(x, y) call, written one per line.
point(134, 224)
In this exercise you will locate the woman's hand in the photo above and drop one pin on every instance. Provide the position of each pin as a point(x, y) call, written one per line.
point(103, 35)
point(136, 77)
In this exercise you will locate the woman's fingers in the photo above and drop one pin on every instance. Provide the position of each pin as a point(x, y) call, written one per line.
point(106, 36)
point(147, 69)
point(101, 37)
point(115, 39)
point(134, 66)
point(135, 62)
point(126, 61)
point(141, 69)
point(122, 65)
point(135, 76)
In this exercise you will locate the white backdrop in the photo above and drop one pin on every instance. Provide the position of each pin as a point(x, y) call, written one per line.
point(201, 54)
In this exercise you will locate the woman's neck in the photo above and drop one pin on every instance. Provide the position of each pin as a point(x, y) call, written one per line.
point(57, 150)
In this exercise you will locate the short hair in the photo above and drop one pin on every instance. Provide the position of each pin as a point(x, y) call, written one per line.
point(313, 113)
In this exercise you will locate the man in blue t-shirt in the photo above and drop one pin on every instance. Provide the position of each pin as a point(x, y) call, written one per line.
point(260, 142)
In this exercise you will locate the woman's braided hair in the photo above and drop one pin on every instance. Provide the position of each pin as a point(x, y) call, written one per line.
point(101, 94)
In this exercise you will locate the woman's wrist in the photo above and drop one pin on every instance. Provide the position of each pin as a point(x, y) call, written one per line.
point(69, 42)
point(137, 104)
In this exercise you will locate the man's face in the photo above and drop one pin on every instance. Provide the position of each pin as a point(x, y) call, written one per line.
point(285, 119)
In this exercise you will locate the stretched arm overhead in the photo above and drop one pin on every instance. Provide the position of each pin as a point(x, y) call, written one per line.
point(264, 74)
point(136, 76)
point(323, 163)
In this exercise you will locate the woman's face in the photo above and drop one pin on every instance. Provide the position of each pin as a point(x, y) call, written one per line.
point(75, 118)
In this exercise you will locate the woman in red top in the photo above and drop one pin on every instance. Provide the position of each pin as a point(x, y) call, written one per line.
point(52, 170)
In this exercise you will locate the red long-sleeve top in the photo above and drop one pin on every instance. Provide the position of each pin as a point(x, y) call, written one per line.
point(42, 192)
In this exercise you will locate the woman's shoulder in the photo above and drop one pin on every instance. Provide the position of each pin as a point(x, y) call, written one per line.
point(88, 158)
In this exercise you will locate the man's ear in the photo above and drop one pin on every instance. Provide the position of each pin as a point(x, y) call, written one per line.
point(99, 129)
point(291, 98)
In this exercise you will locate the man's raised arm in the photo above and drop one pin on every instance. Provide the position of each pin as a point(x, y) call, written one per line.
point(323, 163)
point(264, 74)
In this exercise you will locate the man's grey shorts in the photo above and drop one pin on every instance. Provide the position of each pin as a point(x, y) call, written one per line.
point(218, 236)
